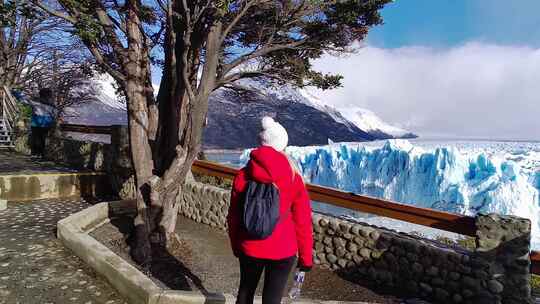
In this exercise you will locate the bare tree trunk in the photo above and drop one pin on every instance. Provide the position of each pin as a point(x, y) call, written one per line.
point(138, 130)
point(192, 129)
point(143, 166)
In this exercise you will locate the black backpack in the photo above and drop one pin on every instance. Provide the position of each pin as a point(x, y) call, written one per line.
point(260, 210)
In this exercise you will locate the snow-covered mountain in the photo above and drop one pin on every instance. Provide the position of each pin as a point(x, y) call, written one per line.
point(234, 118)
point(296, 109)
point(364, 119)
point(103, 108)
point(373, 124)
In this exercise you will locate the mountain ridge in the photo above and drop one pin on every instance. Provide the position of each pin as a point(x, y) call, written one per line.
point(307, 119)
point(234, 116)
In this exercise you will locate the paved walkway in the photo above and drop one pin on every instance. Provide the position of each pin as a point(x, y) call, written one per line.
point(35, 267)
point(13, 163)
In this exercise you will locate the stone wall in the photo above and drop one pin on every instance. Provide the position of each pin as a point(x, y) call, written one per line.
point(112, 158)
point(204, 204)
point(73, 153)
point(503, 246)
point(80, 155)
point(426, 268)
point(120, 170)
point(497, 272)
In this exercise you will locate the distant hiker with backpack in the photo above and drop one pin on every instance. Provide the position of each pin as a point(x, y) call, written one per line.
point(269, 218)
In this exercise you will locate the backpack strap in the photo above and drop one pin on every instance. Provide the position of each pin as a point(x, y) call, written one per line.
point(294, 174)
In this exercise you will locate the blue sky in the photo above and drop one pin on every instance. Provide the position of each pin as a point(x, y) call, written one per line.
point(448, 69)
point(447, 23)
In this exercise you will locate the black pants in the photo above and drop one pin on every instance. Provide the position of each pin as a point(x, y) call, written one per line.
point(37, 140)
point(276, 274)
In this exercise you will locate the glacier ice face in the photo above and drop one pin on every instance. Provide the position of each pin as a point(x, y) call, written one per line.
point(460, 178)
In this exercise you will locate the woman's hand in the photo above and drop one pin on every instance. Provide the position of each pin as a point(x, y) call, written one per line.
point(304, 268)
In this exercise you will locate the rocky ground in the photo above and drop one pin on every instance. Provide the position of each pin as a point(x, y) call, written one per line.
point(35, 268)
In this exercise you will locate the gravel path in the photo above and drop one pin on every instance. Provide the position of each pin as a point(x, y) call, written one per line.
point(35, 268)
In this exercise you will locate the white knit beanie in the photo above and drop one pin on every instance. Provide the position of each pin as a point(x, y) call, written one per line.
point(273, 134)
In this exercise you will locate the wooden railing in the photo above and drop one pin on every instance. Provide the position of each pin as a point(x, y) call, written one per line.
point(421, 216)
point(450, 222)
point(107, 130)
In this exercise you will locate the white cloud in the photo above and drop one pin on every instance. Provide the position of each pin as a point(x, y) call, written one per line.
point(475, 90)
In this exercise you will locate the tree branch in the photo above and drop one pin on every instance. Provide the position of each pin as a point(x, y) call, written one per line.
point(187, 45)
point(55, 13)
point(245, 74)
point(200, 11)
point(118, 24)
point(162, 5)
point(261, 52)
point(108, 26)
point(101, 60)
point(237, 18)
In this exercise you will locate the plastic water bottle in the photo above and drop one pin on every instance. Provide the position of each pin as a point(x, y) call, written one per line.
point(296, 289)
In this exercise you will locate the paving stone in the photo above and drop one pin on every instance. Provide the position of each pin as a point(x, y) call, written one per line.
point(35, 267)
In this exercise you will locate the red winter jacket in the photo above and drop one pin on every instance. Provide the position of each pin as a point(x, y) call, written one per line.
point(293, 233)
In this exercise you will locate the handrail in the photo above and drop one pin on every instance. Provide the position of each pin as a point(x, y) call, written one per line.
point(11, 102)
point(86, 129)
point(451, 222)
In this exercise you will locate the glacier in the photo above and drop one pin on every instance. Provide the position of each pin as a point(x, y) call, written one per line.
point(461, 177)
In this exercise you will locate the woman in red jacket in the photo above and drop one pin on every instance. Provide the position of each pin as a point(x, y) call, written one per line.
point(291, 236)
